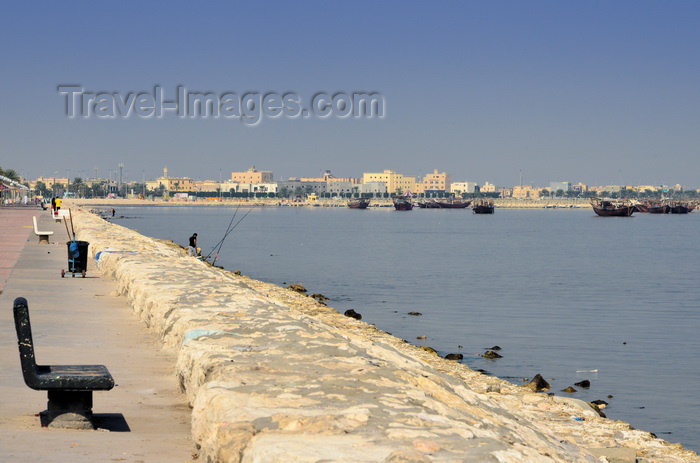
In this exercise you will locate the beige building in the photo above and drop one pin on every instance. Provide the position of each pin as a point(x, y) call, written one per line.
point(463, 187)
point(330, 178)
point(437, 181)
point(394, 181)
point(525, 192)
point(643, 188)
point(252, 175)
point(207, 186)
point(580, 187)
point(49, 182)
point(488, 188)
point(176, 184)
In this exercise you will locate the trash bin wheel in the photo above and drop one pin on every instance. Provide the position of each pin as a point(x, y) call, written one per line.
point(83, 273)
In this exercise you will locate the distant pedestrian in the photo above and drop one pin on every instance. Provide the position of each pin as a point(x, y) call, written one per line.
point(192, 249)
point(58, 204)
point(53, 204)
point(113, 212)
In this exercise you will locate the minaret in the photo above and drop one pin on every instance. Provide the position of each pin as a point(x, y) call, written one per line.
point(165, 172)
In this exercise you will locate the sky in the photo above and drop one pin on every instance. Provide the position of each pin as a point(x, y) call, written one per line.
point(597, 91)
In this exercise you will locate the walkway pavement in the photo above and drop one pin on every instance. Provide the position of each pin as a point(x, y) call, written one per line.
point(144, 418)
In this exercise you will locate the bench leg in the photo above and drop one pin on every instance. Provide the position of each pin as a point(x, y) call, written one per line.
point(44, 239)
point(68, 409)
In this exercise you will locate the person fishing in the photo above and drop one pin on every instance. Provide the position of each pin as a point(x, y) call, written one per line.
point(192, 249)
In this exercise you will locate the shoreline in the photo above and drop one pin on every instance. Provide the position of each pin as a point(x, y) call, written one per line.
point(450, 383)
point(273, 202)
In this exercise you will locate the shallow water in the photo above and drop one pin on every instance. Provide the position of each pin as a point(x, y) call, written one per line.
point(564, 293)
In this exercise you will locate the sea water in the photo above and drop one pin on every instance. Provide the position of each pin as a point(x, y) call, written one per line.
point(564, 293)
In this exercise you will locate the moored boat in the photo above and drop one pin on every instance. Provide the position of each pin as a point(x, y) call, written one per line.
point(483, 207)
point(453, 204)
point(679, 208)
point(659, 209)
point(358, 203)
point(609, 209)
point(402, 204)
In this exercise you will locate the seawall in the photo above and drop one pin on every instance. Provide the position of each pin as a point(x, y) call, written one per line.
point(274, 376)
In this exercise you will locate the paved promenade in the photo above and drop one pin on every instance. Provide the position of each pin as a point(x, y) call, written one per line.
point(81, 321)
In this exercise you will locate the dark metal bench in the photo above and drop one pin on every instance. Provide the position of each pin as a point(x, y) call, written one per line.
point(69, 386)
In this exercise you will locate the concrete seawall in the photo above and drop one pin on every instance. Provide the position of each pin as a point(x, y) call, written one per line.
point(274, 376)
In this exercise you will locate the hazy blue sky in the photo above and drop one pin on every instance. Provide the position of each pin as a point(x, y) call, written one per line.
point(597, 91)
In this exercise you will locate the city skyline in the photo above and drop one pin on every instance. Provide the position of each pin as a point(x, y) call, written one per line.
point(601, 92)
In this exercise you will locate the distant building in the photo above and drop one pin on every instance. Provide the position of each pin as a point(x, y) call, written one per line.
point(437, 181)
point(49, 182)
point(296, 186)
point(330, 178)
point(252, 176)
point(341, 188)
point(580, 187)
point(464, 187)
point(525, 192)
point(373, 188)
point(395, 182)
point(505, 192)
point(645, 188)
point(173, 184)
point(556, 186)
point(488, 188)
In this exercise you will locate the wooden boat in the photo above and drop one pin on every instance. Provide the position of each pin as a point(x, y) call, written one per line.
point(679, 208)
point(428, 205)
point(659, 209)
point(483, 207)
point(453, 204)
point(608, 209)
point(358, 203)
point(402, 204)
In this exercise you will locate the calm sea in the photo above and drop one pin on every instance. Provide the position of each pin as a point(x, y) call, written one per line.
point(564, 293)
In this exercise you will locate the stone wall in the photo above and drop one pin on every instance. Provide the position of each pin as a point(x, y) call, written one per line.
point(274, 376)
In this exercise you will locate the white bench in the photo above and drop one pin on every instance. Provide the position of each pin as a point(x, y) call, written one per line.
point(43, 235)
point(59, 214)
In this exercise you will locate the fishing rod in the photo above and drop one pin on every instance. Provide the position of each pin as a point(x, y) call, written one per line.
point(227, 233)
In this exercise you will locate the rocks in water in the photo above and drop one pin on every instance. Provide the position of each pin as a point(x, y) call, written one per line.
point(490, 354)
point(237, 272)
point(585, 384)
point(460, 347)
point(538, 383)
point(429, 349)
point(421, 337)
point(299, 288)
point(569, 389)
point(415, 314)
point(320, 297)
point(454, 356)
point(610, 396)
point(352, 314)
point(600, 403)
point(495, 348)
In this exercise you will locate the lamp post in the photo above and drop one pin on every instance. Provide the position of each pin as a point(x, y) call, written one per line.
point(219, 184)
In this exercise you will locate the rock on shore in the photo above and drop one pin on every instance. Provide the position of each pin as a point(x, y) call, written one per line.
point(274, 376)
